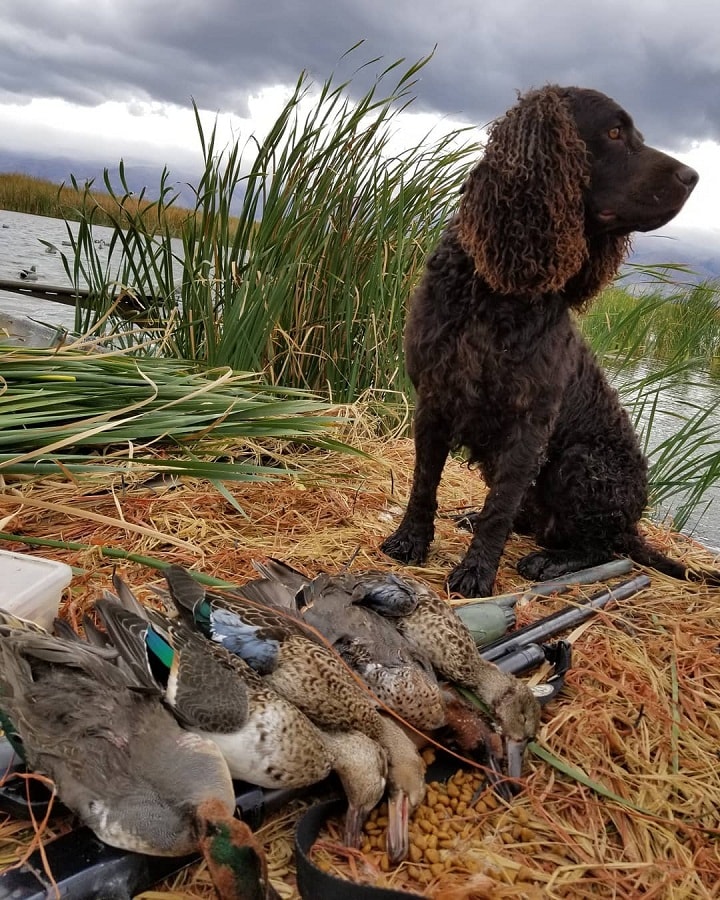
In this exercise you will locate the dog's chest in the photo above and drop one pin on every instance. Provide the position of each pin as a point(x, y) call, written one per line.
point(493, 359)
point(500, 364)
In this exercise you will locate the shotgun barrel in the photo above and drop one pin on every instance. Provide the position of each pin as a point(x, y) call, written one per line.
point(562, 620)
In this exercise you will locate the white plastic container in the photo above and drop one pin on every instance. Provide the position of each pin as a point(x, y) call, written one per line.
point(31, 586)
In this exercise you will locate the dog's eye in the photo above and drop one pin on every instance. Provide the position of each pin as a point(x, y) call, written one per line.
point(614, 133)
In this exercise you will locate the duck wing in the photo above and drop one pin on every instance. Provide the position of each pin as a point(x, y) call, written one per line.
point(116, 756)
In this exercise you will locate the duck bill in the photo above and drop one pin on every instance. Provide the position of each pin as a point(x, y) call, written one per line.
point(398, 841)
point(498, 779)
point(354, 821)
point(515, 752)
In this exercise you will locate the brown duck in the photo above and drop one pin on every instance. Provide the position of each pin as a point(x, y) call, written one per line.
point(265, 739)
point(397, 672)
point(301, 665)
point(428, 630)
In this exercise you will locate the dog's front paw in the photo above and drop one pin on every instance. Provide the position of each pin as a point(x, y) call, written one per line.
point(406, 546)
point(469, 580)
point(542, 566)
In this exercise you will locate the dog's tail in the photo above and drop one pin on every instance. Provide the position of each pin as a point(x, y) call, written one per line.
point(638, 549)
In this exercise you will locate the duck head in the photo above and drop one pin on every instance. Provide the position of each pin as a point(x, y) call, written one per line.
point(518, 715)
point(361, 764)
point(235, 859)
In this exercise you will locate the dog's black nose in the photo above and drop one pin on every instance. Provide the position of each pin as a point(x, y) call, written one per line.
point(689, 177)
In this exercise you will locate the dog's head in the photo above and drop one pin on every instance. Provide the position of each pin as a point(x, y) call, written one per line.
point(565, 179)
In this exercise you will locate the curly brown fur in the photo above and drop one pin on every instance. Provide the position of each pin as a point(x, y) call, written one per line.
point(497, 362)
point(529, 184)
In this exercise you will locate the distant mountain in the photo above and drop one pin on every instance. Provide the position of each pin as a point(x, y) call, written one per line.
point(698, 249)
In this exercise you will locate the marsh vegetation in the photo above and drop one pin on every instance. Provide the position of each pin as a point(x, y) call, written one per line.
point(40, 197)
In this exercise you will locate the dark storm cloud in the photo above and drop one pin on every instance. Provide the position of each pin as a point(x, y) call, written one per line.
point(658, 58)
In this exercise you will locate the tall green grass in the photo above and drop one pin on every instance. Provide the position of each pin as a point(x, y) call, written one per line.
point(662, 350)
point(679, 323)
point(333, 230)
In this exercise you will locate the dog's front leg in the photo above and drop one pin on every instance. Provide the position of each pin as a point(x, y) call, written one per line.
point(410, 543)
point(515, 470)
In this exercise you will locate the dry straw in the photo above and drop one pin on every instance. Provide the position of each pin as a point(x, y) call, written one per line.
point(640, 714)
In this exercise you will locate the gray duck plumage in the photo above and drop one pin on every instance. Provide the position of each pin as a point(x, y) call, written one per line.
point(117, 757)
point(301, 665)
point(423, 622)
point(265, 739)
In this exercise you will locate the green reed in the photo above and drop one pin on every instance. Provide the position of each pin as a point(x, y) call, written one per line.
point(658, 348)
point(681, 322)
point(310, 284)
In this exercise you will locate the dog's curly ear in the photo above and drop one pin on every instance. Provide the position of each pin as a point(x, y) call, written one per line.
point(521, 214)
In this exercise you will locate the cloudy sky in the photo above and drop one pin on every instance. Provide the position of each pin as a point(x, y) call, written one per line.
point(113, 78)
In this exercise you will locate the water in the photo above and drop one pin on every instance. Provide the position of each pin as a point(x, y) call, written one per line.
point(687, 399)
point(20, 248)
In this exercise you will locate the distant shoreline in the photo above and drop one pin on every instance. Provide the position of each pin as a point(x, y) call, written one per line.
point(41, 197)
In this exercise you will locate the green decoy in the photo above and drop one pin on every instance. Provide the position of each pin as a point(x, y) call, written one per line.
point(265, 739)
point(299, 663)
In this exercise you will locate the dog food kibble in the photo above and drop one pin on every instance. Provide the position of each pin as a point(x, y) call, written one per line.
point(442, 826)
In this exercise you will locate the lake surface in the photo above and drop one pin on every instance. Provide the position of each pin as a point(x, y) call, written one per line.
point(20, 248)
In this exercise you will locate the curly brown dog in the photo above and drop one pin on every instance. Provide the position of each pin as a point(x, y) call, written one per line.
point(497, 361)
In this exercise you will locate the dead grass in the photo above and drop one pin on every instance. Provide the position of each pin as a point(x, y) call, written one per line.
point(641, 711)
point(40, 197)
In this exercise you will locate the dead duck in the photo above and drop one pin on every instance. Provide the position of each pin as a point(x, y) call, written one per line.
point(265, 739)
point(429, 628)
point(117, 757)
point(301, 665)
point(396, 671)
